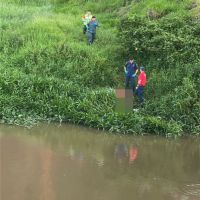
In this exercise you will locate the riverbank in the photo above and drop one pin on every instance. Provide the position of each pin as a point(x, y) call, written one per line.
point(48, 72)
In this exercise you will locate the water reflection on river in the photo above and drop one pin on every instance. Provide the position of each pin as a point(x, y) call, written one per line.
point(65, 162)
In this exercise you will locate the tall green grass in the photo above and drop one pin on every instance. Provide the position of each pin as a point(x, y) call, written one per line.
point(48, 72)
point(44, 56)
point(45, 41)
point(160, 7)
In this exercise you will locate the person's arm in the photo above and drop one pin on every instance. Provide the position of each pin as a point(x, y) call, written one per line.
point(139, 82)
point(96, 24)
point(87, 26)
point(83, 19)
point(125, 69)
point(136, 71)
point(134, 75)
point(125, 66)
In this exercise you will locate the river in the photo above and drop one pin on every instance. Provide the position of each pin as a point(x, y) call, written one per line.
point(66, 162)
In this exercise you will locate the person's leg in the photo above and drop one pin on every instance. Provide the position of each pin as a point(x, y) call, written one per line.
point(132, 79)
point(127, 79)
point(89, 35)
point(141, 94)
point(92, 40)
point(84, 29)
point(136, 92)
point(93, 36)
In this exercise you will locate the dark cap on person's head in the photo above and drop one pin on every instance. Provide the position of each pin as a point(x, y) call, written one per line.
point(93, 17)
point(142, 68)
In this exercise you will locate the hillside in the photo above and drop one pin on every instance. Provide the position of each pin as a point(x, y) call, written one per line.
point(48, 72)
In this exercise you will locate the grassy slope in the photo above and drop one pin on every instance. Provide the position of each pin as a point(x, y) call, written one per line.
point(47, 67)
point(43, 52)
point(49, 40)
point(169, 48)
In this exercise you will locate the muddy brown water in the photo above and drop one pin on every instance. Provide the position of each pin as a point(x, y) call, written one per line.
point(52, 162)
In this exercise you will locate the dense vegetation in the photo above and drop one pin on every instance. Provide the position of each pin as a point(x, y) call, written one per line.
point(48, 72)
point(168, 39)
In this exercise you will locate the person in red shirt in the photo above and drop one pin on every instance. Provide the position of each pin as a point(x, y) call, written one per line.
point(141, 85)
